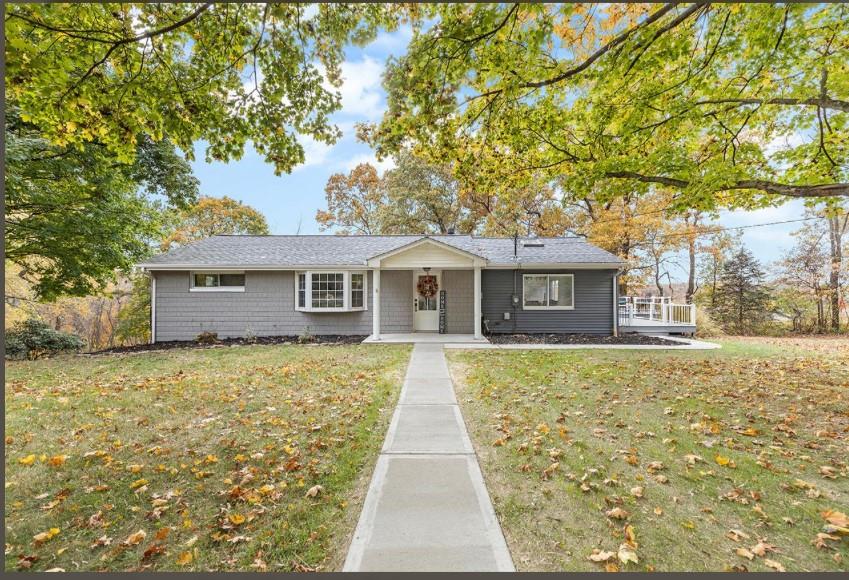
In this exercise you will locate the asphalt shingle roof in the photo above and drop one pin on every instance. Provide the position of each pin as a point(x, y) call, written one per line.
point(319, 250)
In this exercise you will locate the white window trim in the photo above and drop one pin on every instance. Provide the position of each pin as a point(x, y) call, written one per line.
point(346, 291)
point(193, 288)
point(547, 286)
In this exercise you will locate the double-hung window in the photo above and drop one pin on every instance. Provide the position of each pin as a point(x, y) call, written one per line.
point(217, 282)
point(318, 291)
point(548, 291)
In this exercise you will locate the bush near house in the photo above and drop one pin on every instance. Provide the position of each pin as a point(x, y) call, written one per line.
point(33, 339)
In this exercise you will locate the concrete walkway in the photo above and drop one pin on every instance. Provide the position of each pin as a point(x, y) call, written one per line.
point(427, 508)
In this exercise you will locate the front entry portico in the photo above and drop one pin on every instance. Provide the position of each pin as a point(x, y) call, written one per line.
point(428, 261)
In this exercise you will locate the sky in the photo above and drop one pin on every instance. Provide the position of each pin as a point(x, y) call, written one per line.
point(289, 202)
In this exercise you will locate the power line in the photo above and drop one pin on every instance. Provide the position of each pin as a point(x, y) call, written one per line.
point(724, 229)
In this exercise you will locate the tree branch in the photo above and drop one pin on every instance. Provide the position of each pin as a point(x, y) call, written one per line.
point(801, 191)
point(822, 102)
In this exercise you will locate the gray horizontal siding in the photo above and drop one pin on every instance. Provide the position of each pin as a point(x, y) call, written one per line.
point(396, 301)
point(459, 301)
point(593, 313)
point(265, 308)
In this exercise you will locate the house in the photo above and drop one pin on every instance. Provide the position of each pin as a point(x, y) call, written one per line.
point(378, 285)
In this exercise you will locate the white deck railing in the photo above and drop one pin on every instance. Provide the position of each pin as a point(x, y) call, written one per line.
point(655, 311)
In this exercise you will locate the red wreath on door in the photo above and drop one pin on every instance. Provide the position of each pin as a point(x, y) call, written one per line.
point(427, 286)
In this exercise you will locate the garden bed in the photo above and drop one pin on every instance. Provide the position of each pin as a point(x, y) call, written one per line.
point(579, 339)
point(332, 339)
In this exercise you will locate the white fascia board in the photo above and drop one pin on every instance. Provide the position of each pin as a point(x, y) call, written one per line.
point(246, 267)
point(557, 265)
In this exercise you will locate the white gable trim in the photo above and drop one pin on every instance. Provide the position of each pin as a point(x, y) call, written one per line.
point(461, 258)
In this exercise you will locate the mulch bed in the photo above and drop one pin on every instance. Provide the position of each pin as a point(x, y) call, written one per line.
point(579, 339)
point(327, 339)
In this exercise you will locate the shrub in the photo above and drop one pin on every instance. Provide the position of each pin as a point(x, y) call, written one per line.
point(207, 338)
point(306, 336)
point(33, 338)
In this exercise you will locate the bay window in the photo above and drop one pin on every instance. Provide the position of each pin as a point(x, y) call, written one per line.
point(548, 291)
point(318, 291)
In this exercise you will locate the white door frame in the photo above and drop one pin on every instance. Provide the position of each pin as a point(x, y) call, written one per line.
point(426, 320)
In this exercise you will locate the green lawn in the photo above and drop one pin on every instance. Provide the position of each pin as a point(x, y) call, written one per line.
point(700, 460)
point(193, 459)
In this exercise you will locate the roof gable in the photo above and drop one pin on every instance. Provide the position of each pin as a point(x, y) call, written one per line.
point(427, 252)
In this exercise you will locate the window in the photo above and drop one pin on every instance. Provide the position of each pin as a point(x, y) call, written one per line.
point(302, 290)
point(330, 291)
point(358, 290)
point(217, 282)
point(548, 291)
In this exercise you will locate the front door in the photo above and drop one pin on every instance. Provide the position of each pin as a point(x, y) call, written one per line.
point(426, 301)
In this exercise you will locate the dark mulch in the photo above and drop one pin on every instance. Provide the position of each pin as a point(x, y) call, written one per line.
point(331, 339)
point(578, 339)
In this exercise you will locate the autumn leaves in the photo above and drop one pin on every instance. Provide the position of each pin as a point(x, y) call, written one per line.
point(232, 459)
point(621, 461)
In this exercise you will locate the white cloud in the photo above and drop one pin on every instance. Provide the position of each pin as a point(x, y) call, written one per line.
point(392, 41)
point(381, 166)
point(315, 152)
point(361, 91)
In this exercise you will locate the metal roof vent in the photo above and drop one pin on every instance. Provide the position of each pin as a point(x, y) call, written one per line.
point(532, 244)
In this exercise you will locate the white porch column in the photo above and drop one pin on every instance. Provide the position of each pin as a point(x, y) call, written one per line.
point(478, 333)
point(375, 315)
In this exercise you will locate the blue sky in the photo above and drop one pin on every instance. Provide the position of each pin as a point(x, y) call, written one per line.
point(289, 202)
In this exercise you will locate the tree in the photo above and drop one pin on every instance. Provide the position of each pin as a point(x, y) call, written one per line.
point(697, 98)
point(222, 73)
point(355, 202)
point(743, 298)
point(212, 216)
point(838, 224)
point(134, 319)
point(424, 198)
point(413, 198)
point(75, 217)
point(805, 267)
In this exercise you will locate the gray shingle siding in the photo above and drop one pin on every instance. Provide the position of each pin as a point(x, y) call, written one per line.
point(459, 301)
point(593, 313)
point(265, 308)
point(396, 301)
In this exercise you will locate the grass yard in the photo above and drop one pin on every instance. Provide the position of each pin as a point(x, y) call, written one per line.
point(647, 460)
point(253, 457)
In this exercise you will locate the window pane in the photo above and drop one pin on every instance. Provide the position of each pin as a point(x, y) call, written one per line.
point(206, 280)
point(232, 279)
point(560, 290)
point(534, 290)
point(328, 290)
point(302, 290)
point(357, 290)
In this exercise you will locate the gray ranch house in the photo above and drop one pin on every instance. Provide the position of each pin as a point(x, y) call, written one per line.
point(239, 286)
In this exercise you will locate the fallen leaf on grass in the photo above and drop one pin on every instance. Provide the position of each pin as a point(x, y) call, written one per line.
point(617, 513)
point(637, 491)
point(821, 541)
point(314, 491)
point(28, 460)
point(723, 461)
point(745, 553)
point(103, 540)
point(600, 555)
point(236, 519)
point(627, 554)
point(57, 460)
point(836, 518)
point(134, 539)
point(184, 559)
point(737, 535)
point(42, 537)
point(774, 565)
point(761, 548)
